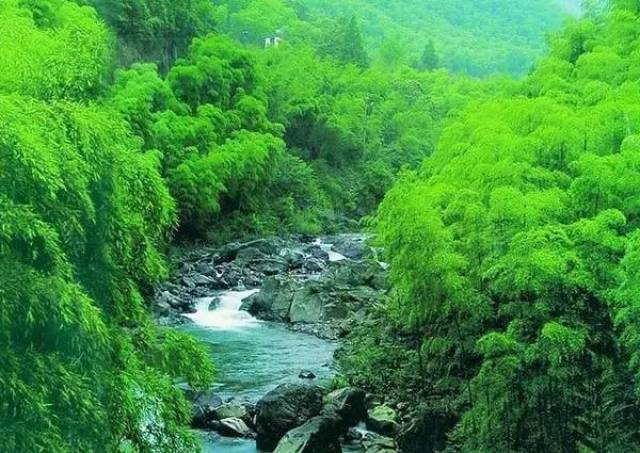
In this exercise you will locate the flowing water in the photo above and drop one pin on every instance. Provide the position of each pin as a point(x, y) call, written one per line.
point(253, 357)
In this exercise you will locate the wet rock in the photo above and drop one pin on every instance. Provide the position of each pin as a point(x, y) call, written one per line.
point(318, 435)
point(232, 427)
point(383, 420)
point(379, 444)
point(230, 410)
point(307, 375)
point(214, 304)
point(283, 409)
point(203, 409)
point(349, 404)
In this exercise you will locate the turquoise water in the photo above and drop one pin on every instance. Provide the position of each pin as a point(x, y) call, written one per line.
point(254, 357)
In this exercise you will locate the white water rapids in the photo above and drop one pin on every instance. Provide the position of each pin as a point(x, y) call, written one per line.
point(227, 316)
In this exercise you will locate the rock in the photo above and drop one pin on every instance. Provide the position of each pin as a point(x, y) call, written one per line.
point(307, 375)
point(230, 410)
point(349, 403)
point(203, 409)
point(202, 280)
point(294, 258)
point(426, 431)
point(318, 435)
point(307, 304)
point(351, 246)
point(379, 444)
point(233, 427)
point(273, 302)
point(162, 308)
point(315, 251)
point(270, 266)
point(214, 304)
point(249, 254)
point(284, 408)
point(383, 420)
point(313, 266)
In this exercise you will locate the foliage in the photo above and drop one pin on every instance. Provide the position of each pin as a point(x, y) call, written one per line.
point(512, 254)
point(84, 216)
point(475, 37)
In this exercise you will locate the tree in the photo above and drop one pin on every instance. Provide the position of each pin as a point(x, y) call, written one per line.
point(429, 59)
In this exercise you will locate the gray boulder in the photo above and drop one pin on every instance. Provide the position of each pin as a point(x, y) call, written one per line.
point(283, 409)
point(318, 435)
point(273, 302)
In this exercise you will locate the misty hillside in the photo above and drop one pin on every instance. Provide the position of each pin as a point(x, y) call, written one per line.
point(474, 36)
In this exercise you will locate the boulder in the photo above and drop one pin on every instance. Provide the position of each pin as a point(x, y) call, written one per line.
point(202, 280)
point(273, 302)
point(307, 304)
point(379, 444)
point(307, 375)
point(318, 435)
point(284, 408)
point(349, 404)
point(249, 254)
point(230, 410)
point(313, 266)
point(351, 246)
point(383, 420)
point(270, 266)
point(426, 431)
point(203, 409)
point(293, 257)
point(317, 252)
point(233, 427)
point(214, 304)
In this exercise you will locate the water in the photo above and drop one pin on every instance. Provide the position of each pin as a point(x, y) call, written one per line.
point(327, 247)
point(253, 357)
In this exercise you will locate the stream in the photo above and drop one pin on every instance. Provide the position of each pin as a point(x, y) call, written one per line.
point(253, 357)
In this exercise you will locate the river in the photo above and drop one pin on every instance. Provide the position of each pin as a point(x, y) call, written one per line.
point(253, 357)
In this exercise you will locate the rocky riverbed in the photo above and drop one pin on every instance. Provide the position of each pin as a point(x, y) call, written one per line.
point(272, 310)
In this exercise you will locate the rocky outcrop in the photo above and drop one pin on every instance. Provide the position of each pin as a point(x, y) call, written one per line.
point(283, 409)
point(319, 434)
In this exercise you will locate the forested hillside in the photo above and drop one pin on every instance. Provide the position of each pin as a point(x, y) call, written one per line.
point(505, 207)
point(477, 38)
point(514, 260)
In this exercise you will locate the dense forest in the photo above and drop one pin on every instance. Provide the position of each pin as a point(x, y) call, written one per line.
point(489, 148)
